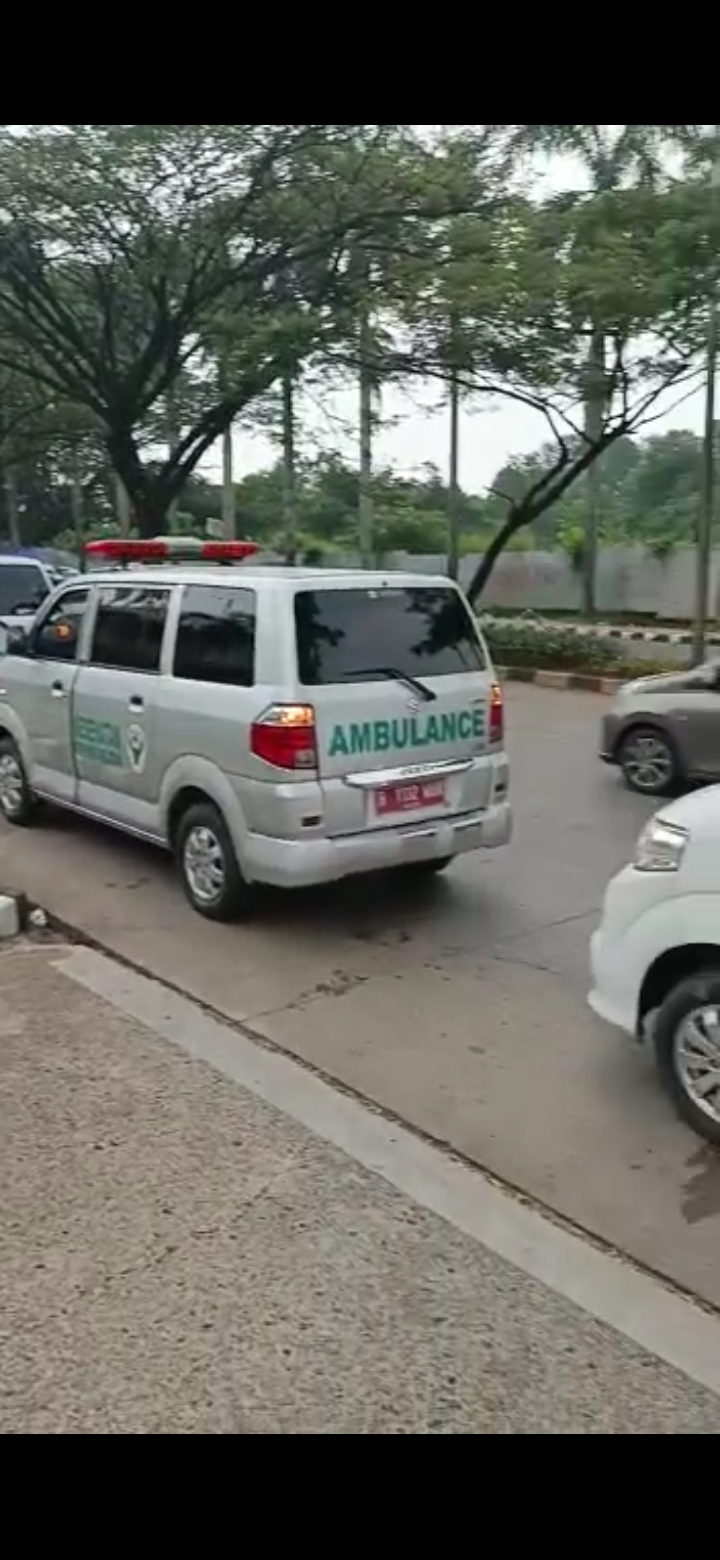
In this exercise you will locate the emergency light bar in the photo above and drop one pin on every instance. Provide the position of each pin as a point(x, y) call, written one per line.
point(169, 549)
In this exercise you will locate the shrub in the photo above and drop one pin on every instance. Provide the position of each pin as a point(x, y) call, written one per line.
point(550, 645)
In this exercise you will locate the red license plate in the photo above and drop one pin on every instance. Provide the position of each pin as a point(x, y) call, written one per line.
point(410, 797)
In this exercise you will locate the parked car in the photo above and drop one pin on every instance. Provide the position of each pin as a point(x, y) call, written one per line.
point(665, 730)
point(24, 584)
point(656, 954)
point(268, 725)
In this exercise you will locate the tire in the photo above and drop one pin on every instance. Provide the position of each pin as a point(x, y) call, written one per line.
point(17, 803)
point(648, 761)
point(203, 831)
point(690, 997)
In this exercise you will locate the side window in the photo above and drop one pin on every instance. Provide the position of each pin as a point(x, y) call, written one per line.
point(129, 627)
point(56, 638)
point(216, 636)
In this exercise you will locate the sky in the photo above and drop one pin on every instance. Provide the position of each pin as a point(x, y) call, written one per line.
point(414, 428)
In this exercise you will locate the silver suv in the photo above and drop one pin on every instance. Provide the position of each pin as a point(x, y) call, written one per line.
point(279, 726)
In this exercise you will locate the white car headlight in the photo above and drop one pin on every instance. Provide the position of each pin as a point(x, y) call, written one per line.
point(661, 847)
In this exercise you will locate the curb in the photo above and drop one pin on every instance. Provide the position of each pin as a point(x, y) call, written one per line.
point(648, 636)
point(583, 682)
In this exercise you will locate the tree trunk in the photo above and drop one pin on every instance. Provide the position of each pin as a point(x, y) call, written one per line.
point(151, 514)
point(173, 439)
point(546, 493)
point(122, 507)
point(228, 486)
point(453, 509)
point(13, 508)
point(365, 515)
point(288, 467)
point(595, 404)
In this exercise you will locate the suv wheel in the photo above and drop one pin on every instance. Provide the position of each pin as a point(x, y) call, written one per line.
point(648, 761)
point(687, 1045)
point(16, 799)
point(210, 874)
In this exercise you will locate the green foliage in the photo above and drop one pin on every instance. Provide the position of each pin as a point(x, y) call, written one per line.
point(160, 282)
point(551, 646)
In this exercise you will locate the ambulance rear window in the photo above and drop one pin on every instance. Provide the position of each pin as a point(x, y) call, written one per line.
point(426, 631)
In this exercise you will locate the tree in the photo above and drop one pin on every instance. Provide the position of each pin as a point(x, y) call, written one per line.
point(643, 261)
point(612, 158)
point(118, 245)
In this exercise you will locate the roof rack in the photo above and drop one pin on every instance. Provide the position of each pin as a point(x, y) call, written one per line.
point(168, 549)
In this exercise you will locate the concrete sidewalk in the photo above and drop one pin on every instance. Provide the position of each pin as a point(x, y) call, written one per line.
point(178, 1256)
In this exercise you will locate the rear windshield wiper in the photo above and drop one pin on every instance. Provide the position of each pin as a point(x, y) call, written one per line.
point(420, 688)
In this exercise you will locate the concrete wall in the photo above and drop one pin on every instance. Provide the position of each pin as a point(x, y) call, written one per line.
point(629, 580)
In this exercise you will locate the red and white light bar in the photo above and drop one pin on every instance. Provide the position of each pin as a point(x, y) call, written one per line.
point(169, 549)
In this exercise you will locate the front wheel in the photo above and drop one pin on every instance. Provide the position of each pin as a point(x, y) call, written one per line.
point(16, 799)
point(687, 1046)
point(208, 866)
point(648, 761)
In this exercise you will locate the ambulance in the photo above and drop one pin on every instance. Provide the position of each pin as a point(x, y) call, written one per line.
point(265, 723)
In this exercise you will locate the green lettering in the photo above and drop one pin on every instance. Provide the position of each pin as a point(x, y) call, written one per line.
point(338, 743)
point(416, 740)
point(382, 736)
point(400, 733)
point(449, 728)
point(361, 738)
point(465, 725)
point(98, 741)
point(432, 730)
point(478, 722)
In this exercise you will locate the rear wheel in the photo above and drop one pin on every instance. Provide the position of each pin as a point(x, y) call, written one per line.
point(687, 1046)
point(205, 855)
point(648, 761)
point(16, 799)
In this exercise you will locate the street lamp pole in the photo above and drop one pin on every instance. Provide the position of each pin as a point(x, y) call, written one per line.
point(707, 502)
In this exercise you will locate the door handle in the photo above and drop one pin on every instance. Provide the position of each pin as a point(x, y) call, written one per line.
point(136, 704)
point(57, 690)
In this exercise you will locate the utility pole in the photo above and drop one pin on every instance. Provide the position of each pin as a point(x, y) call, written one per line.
point(453, 557)
point(707, 500)
point(453, 507)
point(289, 494)
point(366, 516)
point(595, 407)
point(228, 486)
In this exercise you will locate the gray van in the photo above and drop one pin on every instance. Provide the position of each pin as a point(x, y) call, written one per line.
point(268, 725)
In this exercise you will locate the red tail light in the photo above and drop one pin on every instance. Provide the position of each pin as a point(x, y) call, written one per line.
point(285, 737)
point(497, 714)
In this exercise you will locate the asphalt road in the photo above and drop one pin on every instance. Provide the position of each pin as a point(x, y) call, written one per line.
point(459, 1006)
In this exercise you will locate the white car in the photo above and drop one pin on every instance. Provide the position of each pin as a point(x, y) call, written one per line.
point(656, 954)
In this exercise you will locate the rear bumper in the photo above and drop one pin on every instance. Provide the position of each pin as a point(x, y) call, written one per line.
point(300, 863)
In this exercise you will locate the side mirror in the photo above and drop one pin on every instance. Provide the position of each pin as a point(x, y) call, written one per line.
point(17, 642)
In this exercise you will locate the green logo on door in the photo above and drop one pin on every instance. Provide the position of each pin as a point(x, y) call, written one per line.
point(98, 741)
point(382, 736)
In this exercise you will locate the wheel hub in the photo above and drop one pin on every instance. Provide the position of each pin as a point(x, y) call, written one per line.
point(697, 1058)
point(204, 864)
point(648, 762)
point(11, 783)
